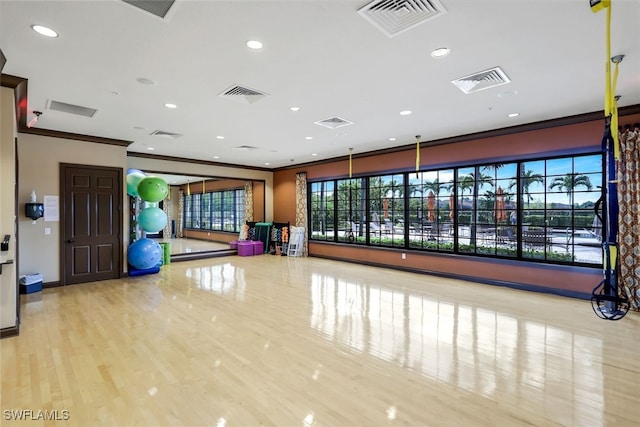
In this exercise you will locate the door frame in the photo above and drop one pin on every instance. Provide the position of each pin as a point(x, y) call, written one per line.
point(63, 213)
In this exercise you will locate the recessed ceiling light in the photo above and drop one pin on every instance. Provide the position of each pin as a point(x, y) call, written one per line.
point(308, 137)
point(219, 137)
point(405, 112)
point(146, 81)
point(150, 148)
point(507, 94)
point(294, 108)
point(44, 31)
point(267, 163)
point(115, 92)
point(513, 115)
point(440, 52)
point(171, 105)
point(392, 139)
point(216, 157)
point(314, 154)
point(254, 44)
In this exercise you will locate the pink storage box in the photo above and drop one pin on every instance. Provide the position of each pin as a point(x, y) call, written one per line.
point(258, 247)
point(245, 248)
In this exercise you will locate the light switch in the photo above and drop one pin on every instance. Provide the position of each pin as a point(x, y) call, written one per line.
point(47, 231)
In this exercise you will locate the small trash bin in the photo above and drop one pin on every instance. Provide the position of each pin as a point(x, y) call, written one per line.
point(30, 283)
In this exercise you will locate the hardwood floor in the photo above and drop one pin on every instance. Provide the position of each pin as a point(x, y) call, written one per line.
point(279, 341)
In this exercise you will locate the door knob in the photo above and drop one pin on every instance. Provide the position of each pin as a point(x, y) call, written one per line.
point(71, 241)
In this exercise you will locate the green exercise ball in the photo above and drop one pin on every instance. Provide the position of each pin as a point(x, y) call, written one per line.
point(152, 220)
point(153, 189)
point(133, 180)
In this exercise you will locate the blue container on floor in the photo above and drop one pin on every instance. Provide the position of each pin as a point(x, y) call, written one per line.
point(30, 283)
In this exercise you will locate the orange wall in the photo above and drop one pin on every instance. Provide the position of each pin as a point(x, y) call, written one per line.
point(284, 196)
point(554, 140)
point(566, 278)
point(258, 201)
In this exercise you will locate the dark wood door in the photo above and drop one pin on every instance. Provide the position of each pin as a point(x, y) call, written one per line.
point(92, 222)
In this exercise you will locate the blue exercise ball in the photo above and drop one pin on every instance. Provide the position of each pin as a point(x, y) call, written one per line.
point(153, 189)
point(152, 220)
point(144, 253)
point(133, 180)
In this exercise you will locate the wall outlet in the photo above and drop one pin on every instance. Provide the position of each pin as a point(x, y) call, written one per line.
point(404, 255)
point(47, 231)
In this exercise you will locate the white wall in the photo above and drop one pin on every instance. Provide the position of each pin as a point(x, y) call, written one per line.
point(8, 294)
point(39, 170)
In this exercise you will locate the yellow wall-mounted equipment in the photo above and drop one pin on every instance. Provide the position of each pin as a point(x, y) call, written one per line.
point(598, 5)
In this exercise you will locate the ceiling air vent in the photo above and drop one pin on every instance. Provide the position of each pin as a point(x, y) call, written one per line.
point(334, 123)
point(393, 17)
point(482, 80)
point(246, 147)
point(160, 8)
point(242, 94)
point(72, 109)
point(164, 134)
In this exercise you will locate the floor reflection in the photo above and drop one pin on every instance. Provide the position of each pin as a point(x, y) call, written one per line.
point(473, 348)
point(223, 279)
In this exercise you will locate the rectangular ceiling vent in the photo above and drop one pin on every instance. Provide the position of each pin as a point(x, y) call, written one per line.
point(482, 80)
point(159, 8)
point(393, 17)
point(334, 122)
point(242, 94)
point(165, 134)
point(72, 109)
point(246, 147)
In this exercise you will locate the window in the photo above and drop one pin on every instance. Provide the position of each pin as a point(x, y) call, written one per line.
point(218, 210)
point(386, 210)
point(541, 209)
point(321, 213)
point(351, 210)
point(431, 214)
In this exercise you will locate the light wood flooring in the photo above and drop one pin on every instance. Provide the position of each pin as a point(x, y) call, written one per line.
point(281, 341)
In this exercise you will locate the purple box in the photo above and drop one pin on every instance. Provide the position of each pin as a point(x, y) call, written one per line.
point(234, 244)
point(245, 248)
point(258, 247)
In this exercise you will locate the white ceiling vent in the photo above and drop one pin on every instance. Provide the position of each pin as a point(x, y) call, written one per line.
point(165, 134)
point(482, 80)
point(393, 17)
point(334, 123)
point(160, 8)
point(242, 94)
point(72, 109)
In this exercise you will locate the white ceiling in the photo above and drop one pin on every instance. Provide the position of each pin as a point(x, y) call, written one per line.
point(321, 56)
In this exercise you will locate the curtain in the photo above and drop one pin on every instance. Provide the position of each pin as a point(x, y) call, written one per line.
point(629, 217)
point(301, 206)
point(248, 201)
point(180, 213)
point(166, 207)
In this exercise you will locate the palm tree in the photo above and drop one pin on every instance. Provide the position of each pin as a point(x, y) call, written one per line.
point(465, 182)
point(569, 183)
point(527, 179)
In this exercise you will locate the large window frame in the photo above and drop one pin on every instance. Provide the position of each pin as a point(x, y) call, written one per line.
point(222, 210)
point(538, 210)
